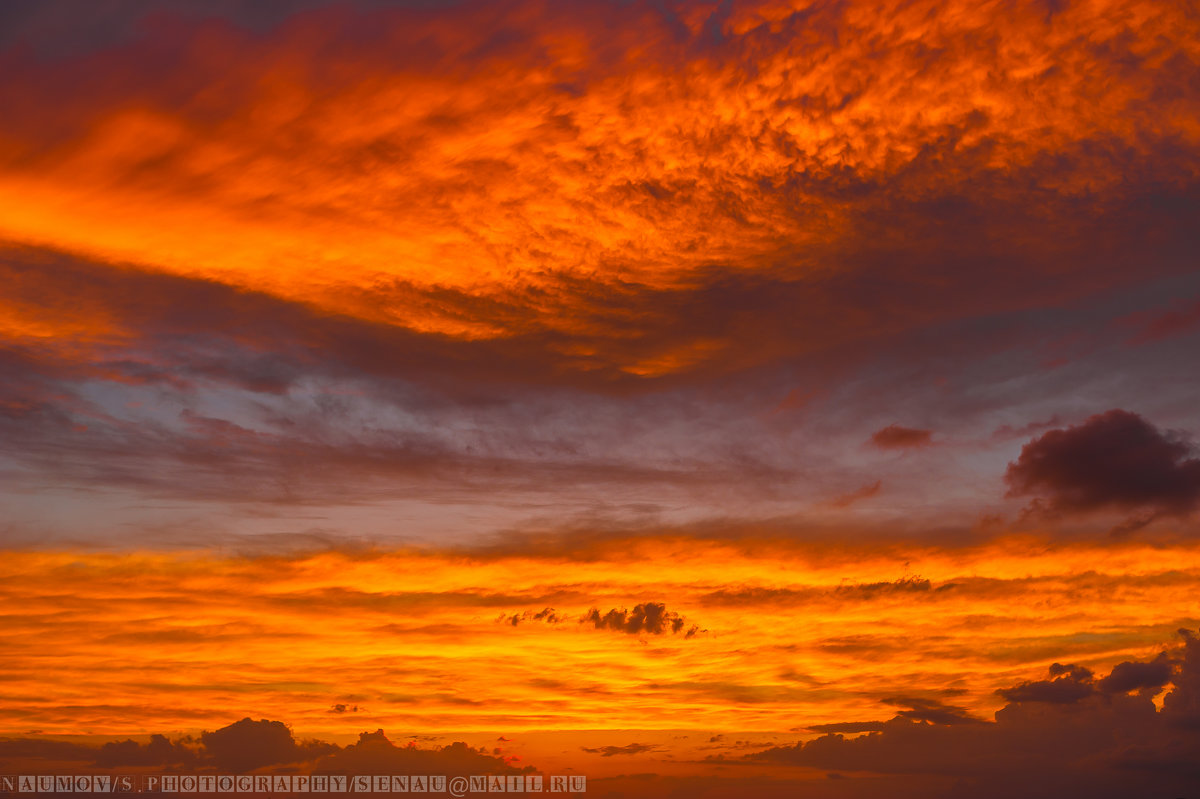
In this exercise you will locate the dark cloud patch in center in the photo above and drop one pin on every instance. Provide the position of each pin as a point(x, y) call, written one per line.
point(650, 617)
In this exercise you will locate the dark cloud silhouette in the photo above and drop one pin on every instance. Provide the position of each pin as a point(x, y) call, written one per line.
point(40, 748)
point(649, 617)
point(848, 727)
point(247, 745)
point(896, 437)
point(931, 710)
point(908, 584)
point(547, 615)
point(1071, 735)
point(262, 746)
point(1181, 706)
point(1137, 676)
point(374, 753)
point(1114, 460)
point(158, 752)
point(1068, 684)
point(613, 751)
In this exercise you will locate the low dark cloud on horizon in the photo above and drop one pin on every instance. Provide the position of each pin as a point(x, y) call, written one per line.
point(1103, 735)
point(1103, 738)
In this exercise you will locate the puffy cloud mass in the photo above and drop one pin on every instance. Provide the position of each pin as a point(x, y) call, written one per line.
point(1113, 460)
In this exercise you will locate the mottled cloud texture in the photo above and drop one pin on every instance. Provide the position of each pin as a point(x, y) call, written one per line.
point(726, 377)
point(579, 263)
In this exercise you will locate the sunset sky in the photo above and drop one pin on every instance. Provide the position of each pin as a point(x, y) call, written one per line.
point(742, 398)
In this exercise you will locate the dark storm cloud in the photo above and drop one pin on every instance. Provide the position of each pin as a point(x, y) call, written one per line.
point(1114, 460)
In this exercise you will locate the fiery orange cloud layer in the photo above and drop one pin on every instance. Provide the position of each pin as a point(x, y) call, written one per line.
point(355, 162)
point(776, 637)
point(679, 369)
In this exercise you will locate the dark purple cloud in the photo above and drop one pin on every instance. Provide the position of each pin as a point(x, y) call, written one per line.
point(932, 711)
point(374, 753)
point(263, 745)
point(247, 745)
point(850, 727)
point(1114, 460)
point(159, 751)
point(1138, 676)
point(1068, 684)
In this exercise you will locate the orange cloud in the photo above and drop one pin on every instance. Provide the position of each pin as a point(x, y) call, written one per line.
point(365, 162)
point(579, 276)
point(797, 634)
